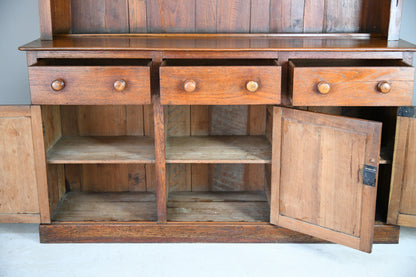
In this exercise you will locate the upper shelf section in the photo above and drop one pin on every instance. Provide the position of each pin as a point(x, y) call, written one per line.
point(220, 16)
point(220, 42)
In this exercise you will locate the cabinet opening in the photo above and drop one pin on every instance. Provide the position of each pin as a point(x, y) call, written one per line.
point(100, 163)
point(348, 63)
point(92, 62)
point(218, 162)
point(218, 192)
point(220, 62)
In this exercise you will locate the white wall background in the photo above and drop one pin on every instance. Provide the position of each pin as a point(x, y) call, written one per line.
point(19, 24)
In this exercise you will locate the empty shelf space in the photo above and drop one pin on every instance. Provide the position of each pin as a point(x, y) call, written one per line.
point(102, 150)
point(218, 149)
point(106, 206)
point(218, 206)
point(386, 155)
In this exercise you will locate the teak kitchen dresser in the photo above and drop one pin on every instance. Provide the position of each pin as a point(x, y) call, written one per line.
point(216, 121)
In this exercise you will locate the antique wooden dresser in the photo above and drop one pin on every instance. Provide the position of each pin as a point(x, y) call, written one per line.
point(214, 121)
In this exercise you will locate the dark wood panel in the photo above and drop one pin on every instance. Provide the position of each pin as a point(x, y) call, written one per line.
point(260, 16)
point(205, 16)
point(189, 232)
point(166, 16)
point(106, 16)
point(313, 20)
point(343, 16)
point(222, 16)
point(233, 16)
point(137, 16)
point(287, 16)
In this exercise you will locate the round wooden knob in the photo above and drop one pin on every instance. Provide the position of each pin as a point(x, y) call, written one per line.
point(252, 86)
point(120, 85)
point(58, 85)
point(189, 85)
point(384, 87)
point(323, 87)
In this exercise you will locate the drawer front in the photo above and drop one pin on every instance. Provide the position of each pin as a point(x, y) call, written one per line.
point(85, 85)
point(228, 85)
point(357, 86)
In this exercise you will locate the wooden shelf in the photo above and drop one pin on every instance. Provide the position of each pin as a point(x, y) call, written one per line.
point(218, 206)
point(218, 42)
point(108, 206)
point(218, 149)
point(102, 150)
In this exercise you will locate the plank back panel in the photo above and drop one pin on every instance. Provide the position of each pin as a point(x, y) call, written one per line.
point(167, 16)
point(220, 16)
point(215, 120)
point(104, 16)
point(134, 120)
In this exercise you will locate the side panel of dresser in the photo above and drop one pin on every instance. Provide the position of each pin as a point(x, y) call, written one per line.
point(23, 193)
point(402, 203)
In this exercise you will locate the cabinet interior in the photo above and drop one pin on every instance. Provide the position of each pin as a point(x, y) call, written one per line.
point(218, 161)
point(100, 162)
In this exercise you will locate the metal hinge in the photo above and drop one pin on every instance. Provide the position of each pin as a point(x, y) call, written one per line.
point(369, 174)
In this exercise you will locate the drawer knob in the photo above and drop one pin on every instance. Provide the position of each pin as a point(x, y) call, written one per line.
point(58, 85)
point(189, 85)
point(120, 85)
point(323, 87)
point(384, 87)
point(252, 86)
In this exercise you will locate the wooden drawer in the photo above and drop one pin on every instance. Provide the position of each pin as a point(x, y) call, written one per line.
point(220, 82)
point(89, 81)
point(351, 83)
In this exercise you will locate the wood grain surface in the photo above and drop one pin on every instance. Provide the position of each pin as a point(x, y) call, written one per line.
point(225, 232)
point(218, 149)
point(351, 86)
point(207, 42)
point(402, 206)
point(222, 16)
point(89, 85)
point(218, 85)
point(99, 150)
point(320, 190)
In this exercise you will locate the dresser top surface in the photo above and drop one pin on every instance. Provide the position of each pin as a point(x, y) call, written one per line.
point(206, 42)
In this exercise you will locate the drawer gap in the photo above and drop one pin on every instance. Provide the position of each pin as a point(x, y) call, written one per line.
point(220, 62)
point(348, 63)
point(92, 62)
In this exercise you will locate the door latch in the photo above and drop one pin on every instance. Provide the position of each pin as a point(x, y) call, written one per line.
point(369, 174)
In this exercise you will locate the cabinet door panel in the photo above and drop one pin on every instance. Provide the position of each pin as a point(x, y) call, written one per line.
point(402, 204)
point(319, 189)
point(19, 202)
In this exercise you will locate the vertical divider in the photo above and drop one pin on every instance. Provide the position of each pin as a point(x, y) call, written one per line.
point(160, 150)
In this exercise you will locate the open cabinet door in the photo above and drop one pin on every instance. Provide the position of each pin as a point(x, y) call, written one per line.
point(324, 176)
point(402, 203)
